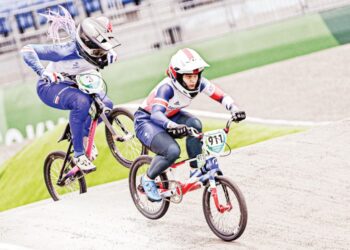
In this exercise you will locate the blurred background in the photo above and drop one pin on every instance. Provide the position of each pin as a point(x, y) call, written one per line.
point(143, 25)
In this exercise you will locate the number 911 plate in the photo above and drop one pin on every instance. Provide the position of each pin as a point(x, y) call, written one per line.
point(215, 141)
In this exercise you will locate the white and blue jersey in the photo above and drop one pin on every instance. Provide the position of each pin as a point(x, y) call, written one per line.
point(63, 58)
point(164, 103)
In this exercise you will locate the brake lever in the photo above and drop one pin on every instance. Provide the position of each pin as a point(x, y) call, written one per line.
point(193, 132)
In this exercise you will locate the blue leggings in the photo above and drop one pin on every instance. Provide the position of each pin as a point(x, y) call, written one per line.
point(66, 97)
point(168, 150)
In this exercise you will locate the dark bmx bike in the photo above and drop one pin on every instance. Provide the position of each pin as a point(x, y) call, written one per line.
point(61, 174)
point(223, 203)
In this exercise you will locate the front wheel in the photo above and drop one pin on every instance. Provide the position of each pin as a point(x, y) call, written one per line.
point(151, 210)
point(128, 147)
point(52, 169)
point(230, 224)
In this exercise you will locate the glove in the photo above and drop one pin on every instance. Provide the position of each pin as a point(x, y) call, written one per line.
point(238, 116)
point(111, 56)
point(52, 77)
point(177, 130)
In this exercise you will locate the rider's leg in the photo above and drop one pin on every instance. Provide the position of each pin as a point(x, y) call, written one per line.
point(193, 145)
point(63, 96)
point(79, 111)
point(167, 151)
point(160, 142)
point(87, 123)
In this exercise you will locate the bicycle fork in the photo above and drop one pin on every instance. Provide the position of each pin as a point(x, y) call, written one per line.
point(116, 137)
point(213, 190)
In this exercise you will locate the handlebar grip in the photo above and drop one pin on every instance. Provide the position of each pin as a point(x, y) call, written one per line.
point(239, 116)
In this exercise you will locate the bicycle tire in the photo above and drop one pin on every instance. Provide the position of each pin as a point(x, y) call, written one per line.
point(226, 182)
point(136, 194)
point(55, 191)
point(133, 147)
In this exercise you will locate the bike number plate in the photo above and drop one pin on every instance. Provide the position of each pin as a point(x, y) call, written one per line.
point(215, 141)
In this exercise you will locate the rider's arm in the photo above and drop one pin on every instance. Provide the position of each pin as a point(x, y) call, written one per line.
point(215, 93)
point(33, 53)
point(160, 104)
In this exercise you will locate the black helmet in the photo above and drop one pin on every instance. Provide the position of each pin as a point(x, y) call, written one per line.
point(94, 38)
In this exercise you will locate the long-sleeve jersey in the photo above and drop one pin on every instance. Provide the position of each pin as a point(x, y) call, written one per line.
point(165, 100)
point(63, 57)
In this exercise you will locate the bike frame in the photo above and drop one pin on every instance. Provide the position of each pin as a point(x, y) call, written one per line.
point(101, 111)
point(196, 182)
point(198, 178)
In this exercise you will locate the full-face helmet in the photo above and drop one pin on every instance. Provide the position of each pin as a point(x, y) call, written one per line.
point(94, 38)
point(186, 61)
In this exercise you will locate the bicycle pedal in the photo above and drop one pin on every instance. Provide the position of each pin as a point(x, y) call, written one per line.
point(140, 189)
point(151, 200)
point(88, 171)
point(168, 193)
point(61, 183)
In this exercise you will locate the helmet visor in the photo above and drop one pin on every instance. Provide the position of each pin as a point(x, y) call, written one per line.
point(90, 47)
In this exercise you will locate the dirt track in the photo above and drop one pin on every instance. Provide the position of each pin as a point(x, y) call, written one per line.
point(296, 187)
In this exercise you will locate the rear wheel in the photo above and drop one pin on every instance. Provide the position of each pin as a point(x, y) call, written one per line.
point(126, 150)
point(151, 210)
point(52, 169)
point(230, 224)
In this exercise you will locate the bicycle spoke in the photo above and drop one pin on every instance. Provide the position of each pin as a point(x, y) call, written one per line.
point(55, 173)
point(121, 126)
point(131, 148)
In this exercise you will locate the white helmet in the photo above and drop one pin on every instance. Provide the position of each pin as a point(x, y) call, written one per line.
point(186, 61)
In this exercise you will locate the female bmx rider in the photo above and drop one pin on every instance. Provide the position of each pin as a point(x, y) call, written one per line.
point(160, 118)
point(90, 47)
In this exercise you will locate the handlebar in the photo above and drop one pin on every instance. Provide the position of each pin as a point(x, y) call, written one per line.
point(66, 77)
point(237, 117)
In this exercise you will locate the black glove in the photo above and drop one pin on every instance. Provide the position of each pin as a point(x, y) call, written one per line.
point(238, 116)
point(178, 131)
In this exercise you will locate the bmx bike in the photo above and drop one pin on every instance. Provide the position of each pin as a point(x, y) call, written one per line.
point(223, 203)
point(60, 172)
